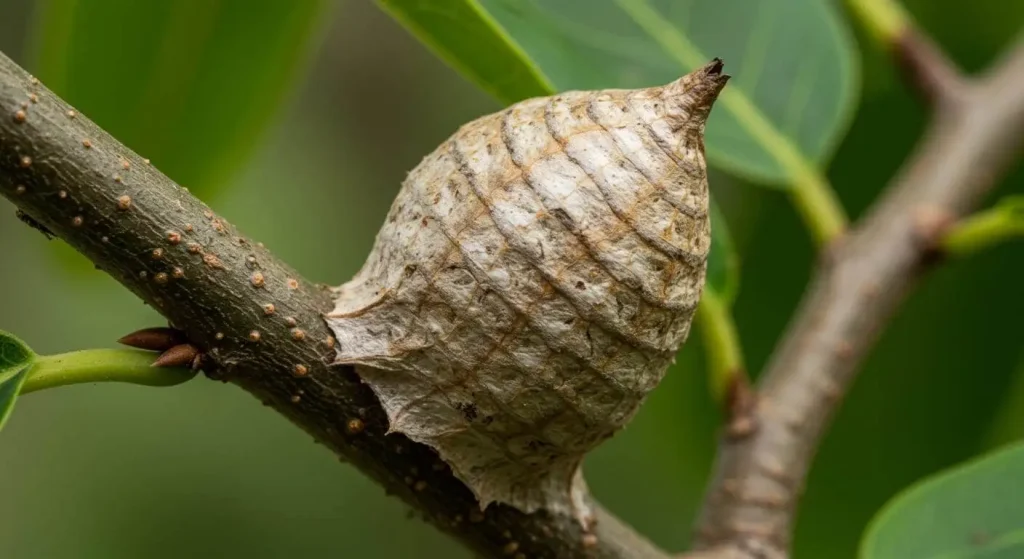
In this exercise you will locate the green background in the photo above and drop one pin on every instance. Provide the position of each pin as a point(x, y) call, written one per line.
point(203, 470)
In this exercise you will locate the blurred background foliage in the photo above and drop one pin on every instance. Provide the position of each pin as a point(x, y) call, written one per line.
point(298, 121)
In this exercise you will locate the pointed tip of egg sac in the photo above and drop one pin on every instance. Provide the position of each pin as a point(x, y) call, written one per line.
point(696, 92)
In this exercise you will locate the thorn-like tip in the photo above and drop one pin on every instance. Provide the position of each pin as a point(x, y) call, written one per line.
point(714, 68)
point(178, 356)
point(154, 339)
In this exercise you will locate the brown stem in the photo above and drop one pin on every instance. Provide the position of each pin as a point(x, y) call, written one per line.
point(257, 321)
point(926, 69)
point(750, 506)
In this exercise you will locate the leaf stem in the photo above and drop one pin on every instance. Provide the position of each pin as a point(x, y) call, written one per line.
point(721, 342)
point(986, 228)
point(885, 20)
point(101, 365)
point(819, 207)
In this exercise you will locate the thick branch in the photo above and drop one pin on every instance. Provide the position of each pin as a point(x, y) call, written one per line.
point(751, 504)
point(257, 320)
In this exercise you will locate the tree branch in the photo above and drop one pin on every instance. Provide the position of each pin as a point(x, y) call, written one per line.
point(258, 322)
point(925, 68)
point(751, 503)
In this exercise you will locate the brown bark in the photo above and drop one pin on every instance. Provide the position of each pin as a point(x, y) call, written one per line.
point(218, 286)
point(751, 504)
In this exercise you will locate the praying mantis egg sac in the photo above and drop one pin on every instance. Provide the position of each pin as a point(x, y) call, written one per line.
point(534, 278)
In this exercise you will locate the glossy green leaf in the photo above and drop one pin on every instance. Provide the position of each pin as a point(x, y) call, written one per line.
point(792, 60)
point(975, 511)
point(15, 361)
point(467, 37)
point(190, 84)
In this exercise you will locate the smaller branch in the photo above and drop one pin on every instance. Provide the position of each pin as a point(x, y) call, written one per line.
point(986, 228)
point(751, 503)
point(101, 365)
point(927, 70)
point(721, 342)
point(924, 67)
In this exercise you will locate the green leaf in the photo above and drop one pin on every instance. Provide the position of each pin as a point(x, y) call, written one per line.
point(190, 84)
point(467, 37)
point(974, 510)
point(15, 361)
point(793, 63)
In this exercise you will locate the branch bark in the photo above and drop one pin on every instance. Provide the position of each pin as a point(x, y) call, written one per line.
point(750, 506)
point(927, 70)
point(220, 287)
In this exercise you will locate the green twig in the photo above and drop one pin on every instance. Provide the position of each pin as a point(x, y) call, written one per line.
point(885, 20)
point(721, 343)
point(986, 228)
point(101, 365)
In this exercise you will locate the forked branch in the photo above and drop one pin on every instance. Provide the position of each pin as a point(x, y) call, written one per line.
point(751, 504)
point(260, 323)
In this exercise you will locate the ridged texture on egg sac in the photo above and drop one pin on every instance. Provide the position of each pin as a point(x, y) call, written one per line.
point(533, 280)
